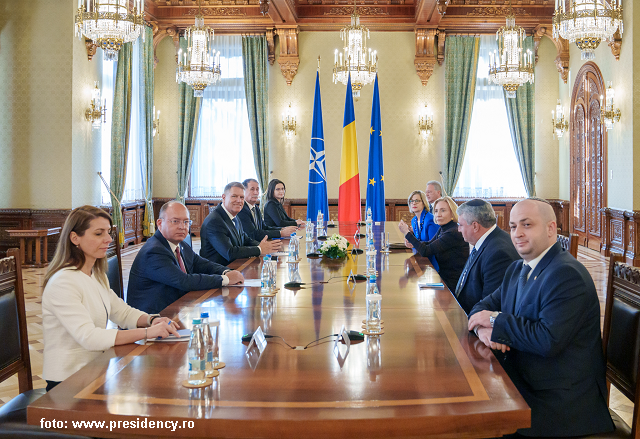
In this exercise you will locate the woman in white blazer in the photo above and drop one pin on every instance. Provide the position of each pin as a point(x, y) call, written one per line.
point(77, 302)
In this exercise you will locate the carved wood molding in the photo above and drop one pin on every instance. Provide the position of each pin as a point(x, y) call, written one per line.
point(425, 59)
point(363, 10)
point(7, 265)
point(441, 34)
point(616, 45)
point(562, 48)
point(271, 45)
point(215, 12)
point(496, 12)
point(159, 34)
point(442, 6)
point(620, 234)
point(91, 48)
point(289, 58)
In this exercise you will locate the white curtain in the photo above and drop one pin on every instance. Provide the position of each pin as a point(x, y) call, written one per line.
point(133, 189)
point(223, 150)
point(490, 168)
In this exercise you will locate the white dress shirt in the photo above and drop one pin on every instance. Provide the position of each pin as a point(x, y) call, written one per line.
point(534, 262)
point(483, 237)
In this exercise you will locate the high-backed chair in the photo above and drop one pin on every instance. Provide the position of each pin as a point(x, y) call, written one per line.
point(621, 340)
point(569, 243)
point(114, 263)
point(14, 354)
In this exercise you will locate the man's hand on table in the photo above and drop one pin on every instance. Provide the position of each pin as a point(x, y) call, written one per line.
point(484, 334)
point(268, 247)
point(480, 319)
point(235, 277)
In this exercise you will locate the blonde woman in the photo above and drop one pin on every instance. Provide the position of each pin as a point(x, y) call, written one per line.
point(422, 224)
point(77, 302)
point(448, 246)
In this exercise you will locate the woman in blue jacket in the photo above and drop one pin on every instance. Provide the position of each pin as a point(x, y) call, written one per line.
point(422, 224)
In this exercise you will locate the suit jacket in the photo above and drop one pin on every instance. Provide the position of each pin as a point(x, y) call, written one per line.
point(425, 230)
point(450, 250)
point(487, 269)
point(556, 358)
point(275, 215)
point(256, 229)
point(221, 242)
point(156, 280)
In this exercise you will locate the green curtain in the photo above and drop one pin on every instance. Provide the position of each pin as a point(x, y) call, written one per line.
point(254, 63)
point(121, 120)
point(146, 122)
point(521, 115)
point(461, 59)
point(187, 132)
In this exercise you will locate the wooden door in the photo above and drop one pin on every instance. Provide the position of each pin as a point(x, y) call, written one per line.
point(588, 157)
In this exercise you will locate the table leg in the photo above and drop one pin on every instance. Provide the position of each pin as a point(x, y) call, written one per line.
point(22, 260)
point(46, 250)
point(38, 252)
point(30, 250)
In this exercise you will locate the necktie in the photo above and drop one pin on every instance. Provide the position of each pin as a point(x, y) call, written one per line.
point(180, 263)
point(467, 266)
point(522, 281)
point(253, 213)
point(236, 223)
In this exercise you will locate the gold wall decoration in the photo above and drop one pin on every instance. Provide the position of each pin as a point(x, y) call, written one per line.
point(425, 59)
point(271, 45)
point(616, 44)
point(496, 12)
point(215, 12)
point(91, 48)
point(361, 10)
point(289, 58)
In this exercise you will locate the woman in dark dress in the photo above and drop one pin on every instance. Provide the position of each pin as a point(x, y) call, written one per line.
point(448, 246)
point(274, 213)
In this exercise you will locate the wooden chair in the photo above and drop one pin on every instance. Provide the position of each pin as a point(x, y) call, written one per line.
point(621, 340)
point(114, 263)
point(569, 243)
point(14, 354)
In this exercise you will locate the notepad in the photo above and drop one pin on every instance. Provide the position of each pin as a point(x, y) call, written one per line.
point(429, 284)
point(185, 335)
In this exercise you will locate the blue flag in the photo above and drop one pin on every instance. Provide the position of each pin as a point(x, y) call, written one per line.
point(375, 176)
point(317, 199)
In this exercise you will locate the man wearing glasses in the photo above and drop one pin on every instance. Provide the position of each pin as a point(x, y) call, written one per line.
point(166, 268)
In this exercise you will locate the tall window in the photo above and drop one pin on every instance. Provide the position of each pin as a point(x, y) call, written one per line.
point(223, 151)
point(490, 168)
point(133, 183)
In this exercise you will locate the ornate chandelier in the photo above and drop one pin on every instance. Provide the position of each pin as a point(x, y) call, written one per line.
point(361, 63)
point(559, 123)
point(587, 23)
point(200, 66)
point(110, 23)
point(509, 67)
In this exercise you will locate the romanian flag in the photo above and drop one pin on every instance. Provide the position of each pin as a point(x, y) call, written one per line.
point(349, 194)
point(375, 178)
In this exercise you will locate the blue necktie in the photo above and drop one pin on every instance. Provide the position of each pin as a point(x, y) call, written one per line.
point(522, 281)
point(467, 266)
point(237, 224)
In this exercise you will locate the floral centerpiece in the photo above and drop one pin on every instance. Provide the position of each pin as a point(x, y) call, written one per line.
point(335, 247)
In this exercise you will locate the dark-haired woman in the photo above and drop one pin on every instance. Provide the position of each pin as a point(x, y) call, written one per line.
point(77, 302)
point(274, 214)
point(422, 224)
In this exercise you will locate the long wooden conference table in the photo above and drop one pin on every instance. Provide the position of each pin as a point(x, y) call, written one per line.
point(426, 376)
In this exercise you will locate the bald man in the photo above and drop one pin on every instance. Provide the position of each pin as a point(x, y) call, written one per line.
point(545, 318)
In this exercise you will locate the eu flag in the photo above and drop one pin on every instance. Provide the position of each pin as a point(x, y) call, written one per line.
point(317, 199)
point(375, 177)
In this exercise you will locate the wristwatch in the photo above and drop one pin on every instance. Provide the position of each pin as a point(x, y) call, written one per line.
point(492, 317)
point(151, 318)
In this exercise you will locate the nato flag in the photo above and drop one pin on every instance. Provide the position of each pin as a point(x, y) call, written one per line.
point(375, 176)
point(317, 200)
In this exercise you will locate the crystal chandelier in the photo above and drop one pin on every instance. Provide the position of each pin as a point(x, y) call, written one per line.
point(608, 112)
point(110, 23)
point(587, 23)
point(560, 125)
point(289, 123)
point(357, 60)
point(509, 67)
point(200, 65)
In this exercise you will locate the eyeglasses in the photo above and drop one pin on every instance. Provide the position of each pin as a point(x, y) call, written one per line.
point(176, 222)
point(415, 201)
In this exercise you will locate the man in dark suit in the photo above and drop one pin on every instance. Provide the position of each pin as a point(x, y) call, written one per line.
point(165, 268)
point(251, 218)
point(490, 256)
point(545, 318)
point(222, 237)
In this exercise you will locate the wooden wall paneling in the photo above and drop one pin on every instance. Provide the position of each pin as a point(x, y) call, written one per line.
point(632, 247)
point(129, 220)
point(12, 219)
point(614, 231)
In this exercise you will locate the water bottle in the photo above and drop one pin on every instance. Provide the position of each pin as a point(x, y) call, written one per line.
point(293, 247)
point(369, 229)
point(196, 355)
point(371, 262)
point(207, 339)
point(273, 267)
point(320, 220)
point(265, 276)
point(374, 306)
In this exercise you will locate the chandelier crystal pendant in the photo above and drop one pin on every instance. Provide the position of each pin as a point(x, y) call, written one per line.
point(356, 59)
point(200, 65)
point(110, 23)
point(510, 67)
point(587, 23)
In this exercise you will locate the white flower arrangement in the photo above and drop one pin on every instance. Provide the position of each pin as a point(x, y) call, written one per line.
point(335, 247)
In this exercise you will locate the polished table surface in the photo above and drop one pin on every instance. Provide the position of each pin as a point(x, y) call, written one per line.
point(425, 376)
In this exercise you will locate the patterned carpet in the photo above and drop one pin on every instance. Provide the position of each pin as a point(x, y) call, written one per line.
point(593, 261)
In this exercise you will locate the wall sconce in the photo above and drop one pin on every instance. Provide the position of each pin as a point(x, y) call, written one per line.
point(609, 114)
point(96, 111)
point(289, 123)
point(560, 125)
point(156, 122)
point(425, 123)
